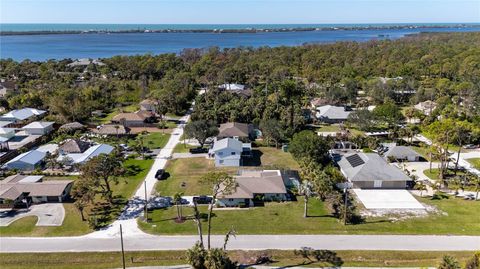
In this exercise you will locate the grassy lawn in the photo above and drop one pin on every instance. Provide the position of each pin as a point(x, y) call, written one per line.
point(191, 170)
point(128, 184)
point(109, 116)
point(336, 128)
point(434, 174)
point(181, 148)
point(152, 140)
point(458, 217)
point(26, 226)
point(475, 162)
point(282, 258)
point(424, 151)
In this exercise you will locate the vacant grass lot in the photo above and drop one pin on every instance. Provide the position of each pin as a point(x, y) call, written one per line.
point(191, 170)
point(457, 217)
point(72, 224)
point(151, 140)
point(475, 162)
point(282, 258)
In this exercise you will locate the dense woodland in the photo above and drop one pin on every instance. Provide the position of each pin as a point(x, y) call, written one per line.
point(444, 67)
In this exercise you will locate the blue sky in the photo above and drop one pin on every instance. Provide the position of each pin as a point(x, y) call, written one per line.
point(238, 11)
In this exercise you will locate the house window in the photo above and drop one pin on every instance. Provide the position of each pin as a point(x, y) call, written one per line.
point(220, 153)
point(233, 153)
point(220, 162)
point(231, 200)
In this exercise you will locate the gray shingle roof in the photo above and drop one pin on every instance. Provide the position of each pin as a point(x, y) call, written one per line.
point(371, 167)
point(399, 152)
point(332, 112)
point(230, 143)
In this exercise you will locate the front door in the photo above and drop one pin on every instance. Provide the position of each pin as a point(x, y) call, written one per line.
point(377, 184)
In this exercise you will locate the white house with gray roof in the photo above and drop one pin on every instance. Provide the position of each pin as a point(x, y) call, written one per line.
point(331, 114)
point(82, 157)
point(22, 114)
point(392, 151)
point(27, 161)
point(39, 128)
point(227, 152)
point(370, 171)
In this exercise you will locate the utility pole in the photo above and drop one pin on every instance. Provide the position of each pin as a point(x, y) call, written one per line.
point(146, 202)
point(345, 210)
point(121, 242)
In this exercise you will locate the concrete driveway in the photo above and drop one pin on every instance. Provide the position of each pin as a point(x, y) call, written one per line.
point(48, 215)
point(387, 199)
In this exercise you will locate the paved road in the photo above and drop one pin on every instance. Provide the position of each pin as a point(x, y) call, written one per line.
point(245, 242)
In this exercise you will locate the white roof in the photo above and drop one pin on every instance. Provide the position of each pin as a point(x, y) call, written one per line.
point(332, 112)
point(6, 130)
point(30, 179)
point(38, 125)
point(4, 123)
point(232, 87)
point(230, 143)
point(51, 148)
point(91, 152)
point(24, 113)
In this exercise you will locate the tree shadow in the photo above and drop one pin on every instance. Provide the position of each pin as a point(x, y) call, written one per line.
point(322, 256)
point(254, 160)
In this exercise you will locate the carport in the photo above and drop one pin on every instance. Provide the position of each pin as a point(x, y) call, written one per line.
point(388, 199)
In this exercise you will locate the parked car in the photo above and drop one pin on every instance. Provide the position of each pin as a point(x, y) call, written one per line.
point(198, 150)
point(159, 202)
point(470, 146)
point(202, 199)
point(160, 174)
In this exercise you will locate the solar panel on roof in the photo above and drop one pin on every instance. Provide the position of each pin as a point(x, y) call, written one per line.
point(355, 160)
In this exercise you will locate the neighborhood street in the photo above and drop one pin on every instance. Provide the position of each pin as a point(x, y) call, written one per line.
point(245, 242)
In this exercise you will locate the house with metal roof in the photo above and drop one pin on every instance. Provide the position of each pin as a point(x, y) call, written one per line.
point(80, 158)
point(370, 171)
point(7, 133)
point(394, 152)
point(227, 152)
point(331, 114)
point(27, 161)
point(18, 189)
point(255, 187)
point(39, 128)
point(23, 114)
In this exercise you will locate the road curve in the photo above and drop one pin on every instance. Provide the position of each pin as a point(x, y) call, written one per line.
point(244, 242)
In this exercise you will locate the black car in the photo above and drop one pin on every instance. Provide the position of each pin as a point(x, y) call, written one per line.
point(159, 174)
point(198, 150)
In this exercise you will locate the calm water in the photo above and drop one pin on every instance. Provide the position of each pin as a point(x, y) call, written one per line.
point(43, 47)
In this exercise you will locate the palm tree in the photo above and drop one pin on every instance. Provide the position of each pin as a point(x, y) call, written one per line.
point(177, 198)
point(305, 189)
point(420, 186)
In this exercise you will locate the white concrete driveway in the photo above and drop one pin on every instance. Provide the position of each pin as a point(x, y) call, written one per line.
point(51, 214)
point(388, 199)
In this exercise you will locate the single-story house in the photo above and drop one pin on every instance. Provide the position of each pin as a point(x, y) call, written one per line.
point(7, 87)
point(149, 105)
point(332, 114)
point(27, 161)
point(134, 119)
point(18, 188)
point(7, 133)
point(235, 130)
point(23, 114)
point(229, 151)
point(370, 171)
point(426, 107)
point(391, 151)
point(112, 129)
point(39, 128)
point(73, 146)
point(255, 187)
point(80, 158)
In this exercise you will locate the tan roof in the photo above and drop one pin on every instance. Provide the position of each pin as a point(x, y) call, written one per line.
point(13, 186)
point(231, 129)
point(135, 116)
point(318, 102)
point(111, 129)
point(74, 146)
point(250, 183)
point(72, 126)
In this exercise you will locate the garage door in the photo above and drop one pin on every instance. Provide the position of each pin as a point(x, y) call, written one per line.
point(377, 184)
point(52, 198)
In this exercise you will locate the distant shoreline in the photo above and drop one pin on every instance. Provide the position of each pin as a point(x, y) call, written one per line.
point(244, 30)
